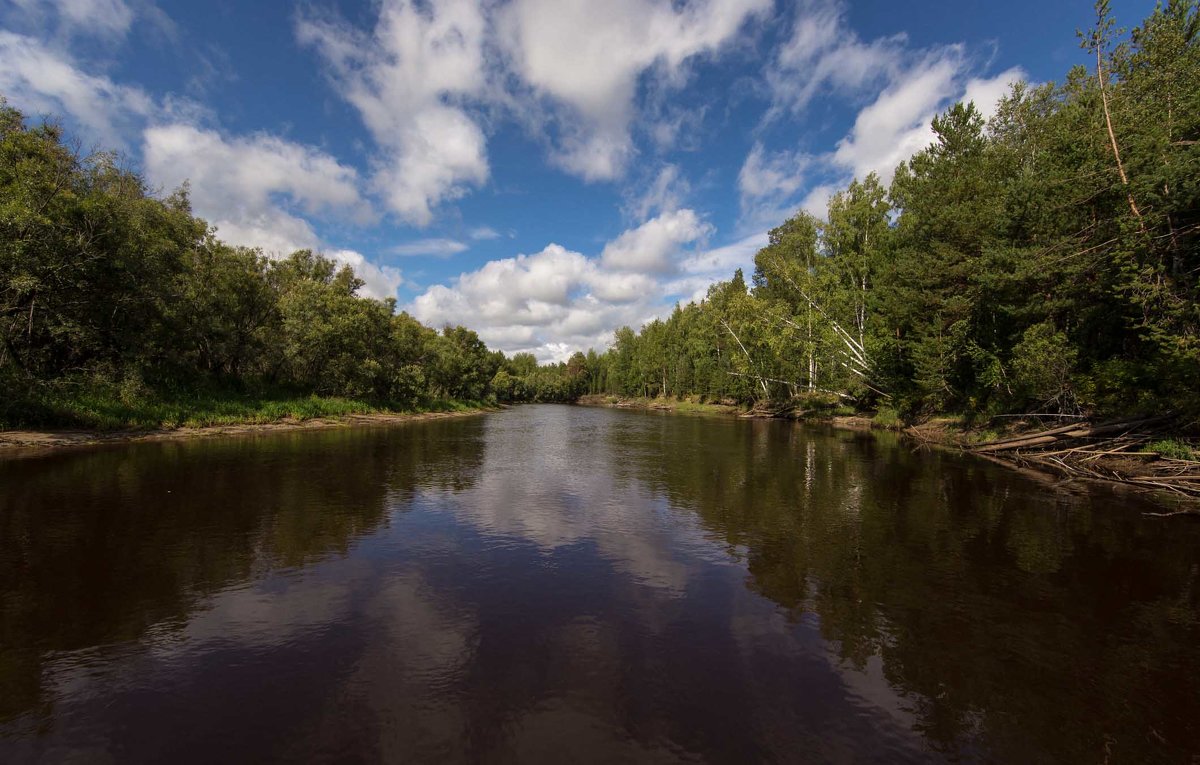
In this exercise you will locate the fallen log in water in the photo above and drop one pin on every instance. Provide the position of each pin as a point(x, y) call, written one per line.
point(1109, 451)
point(1067, 433)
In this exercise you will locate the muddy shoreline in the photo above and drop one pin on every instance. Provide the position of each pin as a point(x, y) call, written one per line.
point(20, 443)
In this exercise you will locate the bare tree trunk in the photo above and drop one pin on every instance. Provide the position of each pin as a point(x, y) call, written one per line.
point(1112, 137)
point(761, 380)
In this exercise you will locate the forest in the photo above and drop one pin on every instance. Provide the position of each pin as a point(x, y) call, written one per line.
point(119, 308)
point(1044, 260)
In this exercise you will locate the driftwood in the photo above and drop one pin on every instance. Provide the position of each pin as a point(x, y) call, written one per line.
point(1109, 451)
point(1068, 432)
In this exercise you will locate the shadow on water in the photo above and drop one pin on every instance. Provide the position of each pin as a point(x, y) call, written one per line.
point(98, 546)
point(614, 586)
point(1020, 625)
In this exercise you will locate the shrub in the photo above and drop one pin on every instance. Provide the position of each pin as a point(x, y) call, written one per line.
point(887, 417)
point(1042, 364)
point(1173, 449)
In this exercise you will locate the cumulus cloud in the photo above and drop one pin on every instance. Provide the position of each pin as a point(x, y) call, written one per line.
point(652, 246)
point(246, 172)
point(586, 59)
point(380, 282)
point(254, 188)
point(557, 301)
point(701, 269)
point(550, 303)
point(407, 79)
point(40, 80)
point(251, 187)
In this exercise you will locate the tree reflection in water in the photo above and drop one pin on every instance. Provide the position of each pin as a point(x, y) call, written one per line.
point(555, 580)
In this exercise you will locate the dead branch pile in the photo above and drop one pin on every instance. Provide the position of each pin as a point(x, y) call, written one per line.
point(1109, 451)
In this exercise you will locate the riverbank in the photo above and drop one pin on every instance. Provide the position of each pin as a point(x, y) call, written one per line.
point(1157, 454)
point(839, 418)
point(658, 404)
point(27, 441)
point(1144, 454)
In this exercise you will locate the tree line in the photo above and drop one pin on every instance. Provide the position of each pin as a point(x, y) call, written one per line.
point(1045, 259)
point(109, 291)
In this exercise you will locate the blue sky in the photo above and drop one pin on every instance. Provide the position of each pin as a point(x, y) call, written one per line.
point(542, 171)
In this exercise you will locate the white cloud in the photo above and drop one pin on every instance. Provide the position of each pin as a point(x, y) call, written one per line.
point(721, 262)
point(438, 248)
point(910, 87)
point(274, 231)
point(95, 18)
point(407, 80)
point(816, 201)
point(665, 193)
point(987, 93)
point(39, 80)
point(250, 188)
point(675, 128)
point(253, 189)
point(509, 314)
point(778, 173)
point(586, 58)
point(381, 282)
point(823, 53)
point(483, 233)
point(109, 17)
point(557, 301)
point(768, 184)
point(244, 176)
point(896, 125)
point(652, 246)
point(701, 269)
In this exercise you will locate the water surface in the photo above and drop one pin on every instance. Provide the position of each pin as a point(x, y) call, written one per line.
point(556, 583)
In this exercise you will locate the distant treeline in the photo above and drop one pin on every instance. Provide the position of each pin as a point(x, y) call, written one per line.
point(1044, 260)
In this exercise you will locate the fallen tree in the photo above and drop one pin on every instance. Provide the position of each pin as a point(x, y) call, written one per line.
point(1109, 451)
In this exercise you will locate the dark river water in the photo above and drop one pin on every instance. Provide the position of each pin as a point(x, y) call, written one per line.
point(561, 584)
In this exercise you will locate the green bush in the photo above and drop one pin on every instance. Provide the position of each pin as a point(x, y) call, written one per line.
point(1172, 449)
point(1042, 364)
point(887, 417)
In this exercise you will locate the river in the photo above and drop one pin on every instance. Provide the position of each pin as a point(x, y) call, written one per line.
point(555, 583)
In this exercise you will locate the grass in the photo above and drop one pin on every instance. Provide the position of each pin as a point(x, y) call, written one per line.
point(1173, 449)
point(886, 417)
point(688, 406)
point(107, 410)
point(696, 407)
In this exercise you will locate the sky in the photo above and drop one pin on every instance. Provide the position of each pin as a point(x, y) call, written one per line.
point(540, 171)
